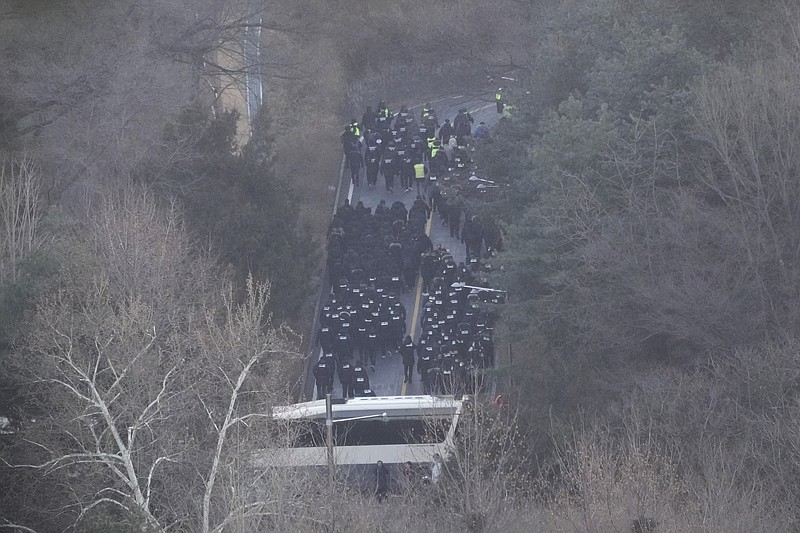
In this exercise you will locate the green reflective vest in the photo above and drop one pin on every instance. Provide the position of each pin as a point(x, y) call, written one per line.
point(431, 140)
point(499, 94)
point(419, 171)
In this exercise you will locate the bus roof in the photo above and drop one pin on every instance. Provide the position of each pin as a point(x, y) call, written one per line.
point(393, 406)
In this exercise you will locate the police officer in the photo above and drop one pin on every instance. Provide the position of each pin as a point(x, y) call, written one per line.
point(430, 120)
point(373, 345)
point(499, 100)
point(331, 364)
point(431, 142)
point(423, 365)
point(373, 164)
point(419, 176)
point(404, 118)
point(322, 374)
point(433, 383)
point(383, 110)
point(406, 167)
point(426, 110)
point(327, 338)
point(389, 166)
point(346, 378)
point(360, 381)
point(438, 160)
point(355, 129)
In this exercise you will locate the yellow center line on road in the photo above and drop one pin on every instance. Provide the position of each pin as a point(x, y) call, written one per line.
point(415, 315)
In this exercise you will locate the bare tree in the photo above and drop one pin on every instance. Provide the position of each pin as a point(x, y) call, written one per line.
point(487, 469)
point(21, 213)
point(145, 392)
point(750, 119)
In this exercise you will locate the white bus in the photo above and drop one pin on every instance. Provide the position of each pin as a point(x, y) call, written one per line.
point(392, 429)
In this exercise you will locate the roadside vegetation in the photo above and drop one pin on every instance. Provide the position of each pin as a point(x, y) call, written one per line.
point(156, 272)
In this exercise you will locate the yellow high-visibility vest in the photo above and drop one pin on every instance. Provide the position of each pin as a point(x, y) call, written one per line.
point(419, 171)
point(499, 94)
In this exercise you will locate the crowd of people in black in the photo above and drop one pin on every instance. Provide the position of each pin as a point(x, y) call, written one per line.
point(397, 146)
point(456, 332)
point(374, 257)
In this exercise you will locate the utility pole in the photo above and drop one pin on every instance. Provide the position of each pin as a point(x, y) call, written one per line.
point(329, 434)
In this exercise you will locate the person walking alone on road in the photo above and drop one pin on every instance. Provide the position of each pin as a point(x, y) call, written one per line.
point(408, 352)
point(356, 161)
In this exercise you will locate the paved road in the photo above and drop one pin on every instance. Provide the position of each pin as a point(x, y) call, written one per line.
point(387, 379)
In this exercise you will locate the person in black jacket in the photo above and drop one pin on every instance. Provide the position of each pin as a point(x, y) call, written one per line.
point(446, 131)
point(368, 120)
point(471, 237)
point(346, 378)
point(356, 161)
point(373, 163)
point(389, 166)
point(426, 270)
point(454, 210)
point(360, 381)
point(408, 352)
point(463, 124)
point(381, 481)
point(322, 375)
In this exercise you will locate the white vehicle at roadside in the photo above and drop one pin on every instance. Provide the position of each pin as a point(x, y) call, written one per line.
point(392, 429)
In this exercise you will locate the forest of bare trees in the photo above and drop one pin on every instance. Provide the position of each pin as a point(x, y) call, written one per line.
point(157, 264)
